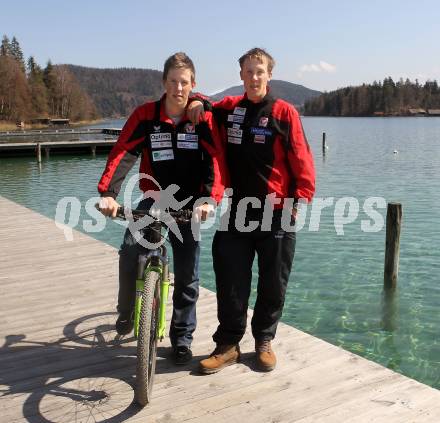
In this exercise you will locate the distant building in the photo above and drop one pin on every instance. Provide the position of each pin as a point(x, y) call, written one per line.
point(417, 112)
point(59, 122)
point(433, 112)
point(40, 121)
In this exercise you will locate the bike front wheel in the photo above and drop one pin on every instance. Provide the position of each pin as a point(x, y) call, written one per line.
point(147, 338)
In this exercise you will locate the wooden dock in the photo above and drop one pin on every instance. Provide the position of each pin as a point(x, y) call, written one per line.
point(61, 361)
point(34, 146)
point(55, 146)
point(50, 132)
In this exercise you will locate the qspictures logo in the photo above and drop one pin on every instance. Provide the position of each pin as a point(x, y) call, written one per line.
point(345, 211)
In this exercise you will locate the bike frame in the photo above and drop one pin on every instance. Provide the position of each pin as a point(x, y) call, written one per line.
point(152, 316)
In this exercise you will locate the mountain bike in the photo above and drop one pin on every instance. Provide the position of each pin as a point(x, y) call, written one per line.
point(152, 287)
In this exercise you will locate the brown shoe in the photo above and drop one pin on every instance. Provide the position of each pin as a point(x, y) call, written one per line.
point(266, 359)
point(222, 356)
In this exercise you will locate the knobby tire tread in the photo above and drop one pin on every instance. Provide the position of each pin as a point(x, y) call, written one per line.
point(147, 339)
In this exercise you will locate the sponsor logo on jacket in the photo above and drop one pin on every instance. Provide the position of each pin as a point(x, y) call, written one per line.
point(162, 136)
point(263, 121)
point(161, 155)
point(187, 137)
point(189, 128)
point(261, 131)
point(235, 118)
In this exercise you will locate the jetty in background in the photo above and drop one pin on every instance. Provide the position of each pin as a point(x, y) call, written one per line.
point(34, 142)
point(61, 359)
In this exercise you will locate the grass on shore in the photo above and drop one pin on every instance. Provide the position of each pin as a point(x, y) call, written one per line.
point(8, 126)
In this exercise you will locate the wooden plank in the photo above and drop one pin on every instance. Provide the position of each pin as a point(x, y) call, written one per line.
point(50, 132)
point(58, 144)
point(52, 374)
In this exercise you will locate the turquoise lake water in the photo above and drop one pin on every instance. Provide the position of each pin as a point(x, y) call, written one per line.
point(335, 291)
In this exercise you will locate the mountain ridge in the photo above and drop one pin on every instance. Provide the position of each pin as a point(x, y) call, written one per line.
point(292, 93)
point(117, 92)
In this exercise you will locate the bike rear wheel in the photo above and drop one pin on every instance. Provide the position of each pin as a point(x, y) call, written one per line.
point(147, 338)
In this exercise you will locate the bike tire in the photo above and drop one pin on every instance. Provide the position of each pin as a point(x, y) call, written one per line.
point(147, 338)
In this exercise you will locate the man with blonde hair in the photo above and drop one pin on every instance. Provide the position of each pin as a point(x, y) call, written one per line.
point(173, 151)
point(269, 161)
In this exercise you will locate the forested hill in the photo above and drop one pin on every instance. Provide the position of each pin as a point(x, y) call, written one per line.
point(27, 91)
point(30, 92)
point(116, 92)
point(387, 98)
point(292, 93)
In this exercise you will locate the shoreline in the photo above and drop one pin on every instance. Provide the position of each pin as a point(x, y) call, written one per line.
point(10, 126)
point(375, 116)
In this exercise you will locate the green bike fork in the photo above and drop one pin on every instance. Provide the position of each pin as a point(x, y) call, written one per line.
point(140, 284)
point(164, 290)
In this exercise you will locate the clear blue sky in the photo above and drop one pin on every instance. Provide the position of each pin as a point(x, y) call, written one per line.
point(320, 44)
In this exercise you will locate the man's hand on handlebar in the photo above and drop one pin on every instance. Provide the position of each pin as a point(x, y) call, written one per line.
point(108, 206)
point(202, 212)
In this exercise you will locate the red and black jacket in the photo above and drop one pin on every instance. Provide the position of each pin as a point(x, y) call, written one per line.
point(183, 154)
point(266, 148)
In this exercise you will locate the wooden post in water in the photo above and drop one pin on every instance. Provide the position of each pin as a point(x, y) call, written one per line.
point(47, 149)
point(392, 245)
point(324, 145)
point(93, 148)
point(39, 153)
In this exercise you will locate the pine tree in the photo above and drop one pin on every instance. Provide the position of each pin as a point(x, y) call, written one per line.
point(388, 88)
point(5, 49)
point(48, 73)
point(50, 81)
point(31, 64)
point(37, 88)
point(16, 52)
point(14, 90)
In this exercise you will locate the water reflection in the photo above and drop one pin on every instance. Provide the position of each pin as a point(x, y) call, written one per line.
point(389, 310)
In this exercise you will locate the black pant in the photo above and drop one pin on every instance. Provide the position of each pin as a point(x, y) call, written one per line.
point(233, 254)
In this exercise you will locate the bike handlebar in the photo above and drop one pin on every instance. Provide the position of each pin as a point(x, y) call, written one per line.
point(180, 216)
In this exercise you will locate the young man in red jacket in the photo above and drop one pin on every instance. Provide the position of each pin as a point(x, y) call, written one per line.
point(172, 151)
point(269, 161)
